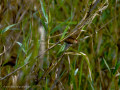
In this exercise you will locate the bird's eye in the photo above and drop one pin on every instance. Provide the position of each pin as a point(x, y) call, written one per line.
point(76, 41)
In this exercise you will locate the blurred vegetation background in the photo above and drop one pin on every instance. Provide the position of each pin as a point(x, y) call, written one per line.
point(29, 27)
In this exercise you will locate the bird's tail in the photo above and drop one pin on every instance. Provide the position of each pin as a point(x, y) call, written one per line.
point(67, 46)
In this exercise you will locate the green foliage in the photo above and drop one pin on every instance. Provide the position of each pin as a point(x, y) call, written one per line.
point(7, 28)
point(59, 26)
point(91, 64)
point(116, 67)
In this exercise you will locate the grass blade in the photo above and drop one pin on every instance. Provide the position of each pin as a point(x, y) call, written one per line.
point(59, 26)
point(107, 65)
point(7, 28)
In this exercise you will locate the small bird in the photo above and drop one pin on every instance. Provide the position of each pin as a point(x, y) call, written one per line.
point(73, 39)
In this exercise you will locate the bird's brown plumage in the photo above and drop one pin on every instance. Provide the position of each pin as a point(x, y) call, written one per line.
point(73, 39)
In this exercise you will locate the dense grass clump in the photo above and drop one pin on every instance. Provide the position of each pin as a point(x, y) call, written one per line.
point(33, 52)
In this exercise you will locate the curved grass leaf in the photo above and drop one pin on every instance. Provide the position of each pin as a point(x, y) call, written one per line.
point(59, 26)
point(62, 2)
point(65, 32)
point(61, 50)
point(21, 45)
point(116, 67)
point(87, 60)
point(44, 10)
point(7, 28)
point(27, 58)
point(91, 85)
point(76, 71)
point(67, 26)
point(107, 65)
